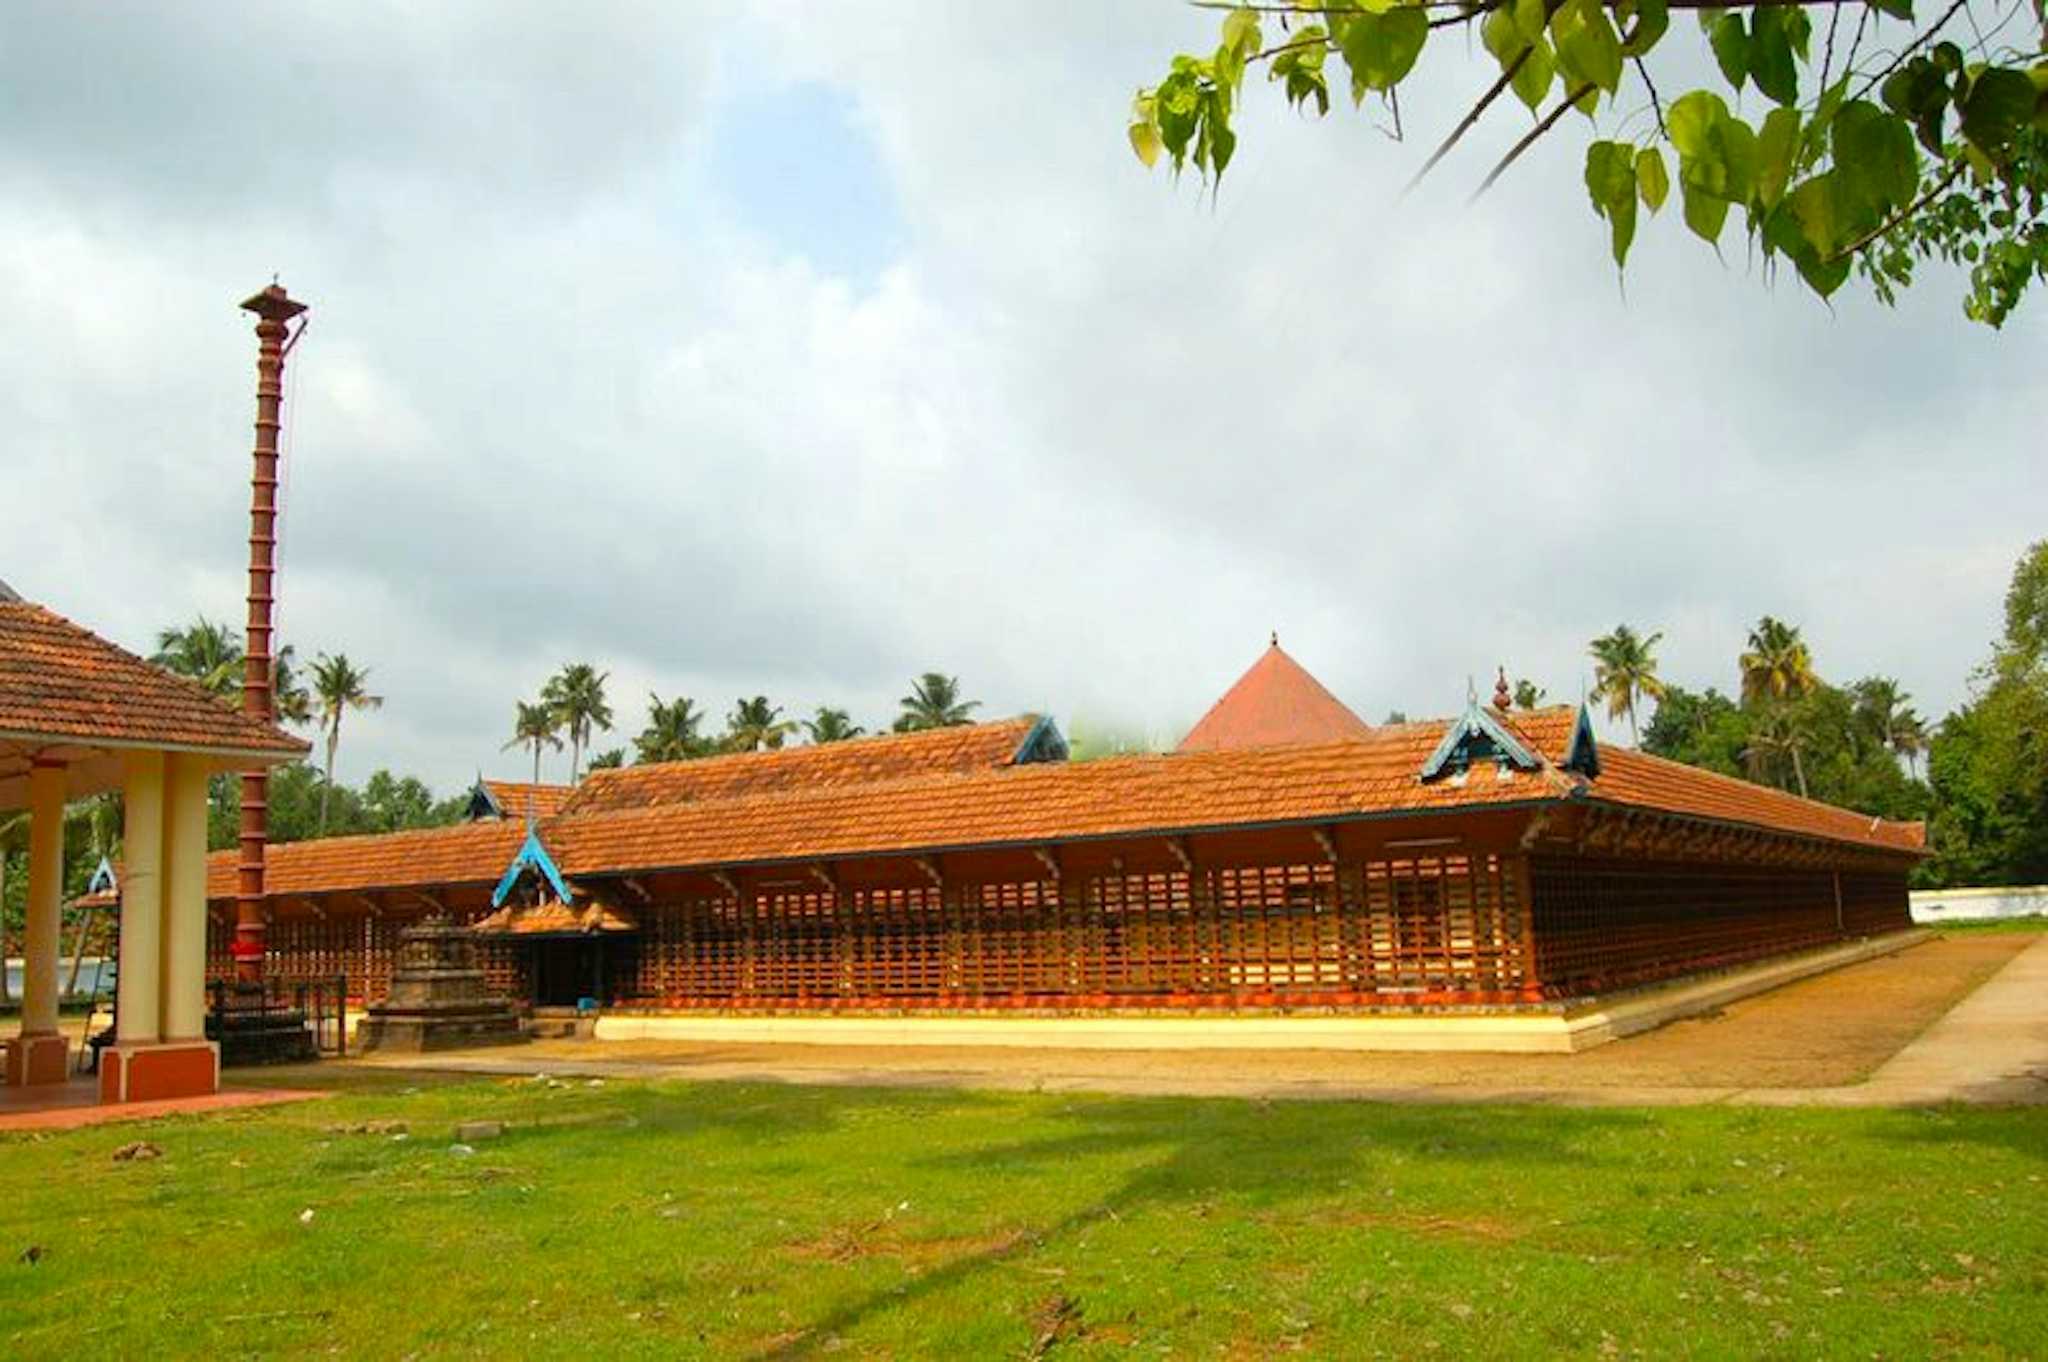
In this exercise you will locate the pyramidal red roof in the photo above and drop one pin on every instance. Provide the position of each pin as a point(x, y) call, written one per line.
point(1276, 703)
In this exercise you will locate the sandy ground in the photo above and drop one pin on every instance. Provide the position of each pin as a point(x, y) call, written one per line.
point(1827, 1032)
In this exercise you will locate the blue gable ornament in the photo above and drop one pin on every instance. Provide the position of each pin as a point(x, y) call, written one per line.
point(532, 856)
point(1476, 735)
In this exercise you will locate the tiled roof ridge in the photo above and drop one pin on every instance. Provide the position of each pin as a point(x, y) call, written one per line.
point(597, 786)
point(258, 736)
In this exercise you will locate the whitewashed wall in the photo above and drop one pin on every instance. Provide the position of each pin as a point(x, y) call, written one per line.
point(1951, 905)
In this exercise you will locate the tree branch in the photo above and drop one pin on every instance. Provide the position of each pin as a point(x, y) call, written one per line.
point(1529, 140)
point(1910, 48)
point(1883, 229)
point(1655, 102)
point(1443, 149)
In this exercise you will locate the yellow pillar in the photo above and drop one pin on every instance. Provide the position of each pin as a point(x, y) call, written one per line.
point(142, 898)
point(182, 1003)
point(40, 1054)
point(45, 899)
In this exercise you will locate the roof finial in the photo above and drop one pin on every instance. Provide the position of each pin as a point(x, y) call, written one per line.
point(1502, 696)
point(1471, 691)
point(1276, 638)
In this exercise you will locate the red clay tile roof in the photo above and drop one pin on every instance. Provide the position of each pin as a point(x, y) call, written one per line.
point(515, 797)
point(1174, 793)
point(467, 853)
point(555, 919)
point(857, 761)
point(1274, 703)
point(783, 819)
point(1640, 780)
point(60, 681)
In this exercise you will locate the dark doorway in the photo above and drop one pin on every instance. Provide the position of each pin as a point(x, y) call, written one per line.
point(566, 971)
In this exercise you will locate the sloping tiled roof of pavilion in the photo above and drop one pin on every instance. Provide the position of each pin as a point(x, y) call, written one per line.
point(466, 853)
point(1185, 792)
point(856, 761)
point(1276, 702)
point(58, 680)
point(947, 807)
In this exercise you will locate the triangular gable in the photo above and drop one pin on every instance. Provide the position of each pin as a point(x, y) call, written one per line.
point(1583, 753)
point(532, 856)
point(1044, 742)
point(482, 803)
point(102, 881)
point(1477, 735)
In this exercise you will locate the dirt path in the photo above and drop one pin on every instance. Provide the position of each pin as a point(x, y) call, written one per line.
point(1816, 1040)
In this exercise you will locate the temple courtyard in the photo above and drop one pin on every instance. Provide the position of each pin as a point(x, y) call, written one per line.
point(940, 1208)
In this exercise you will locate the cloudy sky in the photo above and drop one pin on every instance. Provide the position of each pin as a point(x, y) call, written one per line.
point(802, 349)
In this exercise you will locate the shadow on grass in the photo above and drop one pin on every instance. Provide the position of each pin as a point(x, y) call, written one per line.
point(1258, 1155)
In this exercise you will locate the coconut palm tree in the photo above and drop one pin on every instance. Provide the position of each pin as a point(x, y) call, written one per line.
point(671, 733)
point(934, 702)
point(610, 759)
point(341, 687)
point(1776, 734)
point(535, 726)
point(1624, 671)
point(1884, 716)
point(1777, 665)
point(755, 724)
point(289, 698)
point(832, 725)
point(209, 653)
point(576, 693)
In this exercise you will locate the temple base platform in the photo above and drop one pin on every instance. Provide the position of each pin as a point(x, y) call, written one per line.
point(44, 1058)
point(157, 1070)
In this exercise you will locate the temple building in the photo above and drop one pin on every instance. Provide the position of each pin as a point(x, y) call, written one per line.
point(1287, 860)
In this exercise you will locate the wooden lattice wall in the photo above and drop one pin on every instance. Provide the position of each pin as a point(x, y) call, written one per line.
point(1602, 924)
point(1446, 928)
point(361, 948)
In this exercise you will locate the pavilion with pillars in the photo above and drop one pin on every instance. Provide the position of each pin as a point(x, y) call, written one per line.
point(79, 716)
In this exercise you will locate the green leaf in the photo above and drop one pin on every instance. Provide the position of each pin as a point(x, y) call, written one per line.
point(1704, 212)
point(1898, 9)
point(1770, 55)
point(1381, 48)
point(1874, 156)
point(1500, 36)
point(1531, 17)
point(2000, 103)
point(1534, 77)
point(1145, 142)
point(1653, 17)
point(1611, 181)
point(1651, 180)
point(1811, 210)
point(1692, 119)
point(1587, 47)
point(1776, 146)
point(1731, 48)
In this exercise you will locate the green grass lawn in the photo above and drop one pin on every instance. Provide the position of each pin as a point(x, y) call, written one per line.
point(680, 1220)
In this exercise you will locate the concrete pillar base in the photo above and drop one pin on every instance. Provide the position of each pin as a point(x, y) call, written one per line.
point(37, 1059)
point(152, 1070)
